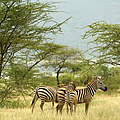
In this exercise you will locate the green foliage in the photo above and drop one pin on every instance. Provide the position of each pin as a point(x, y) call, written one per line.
point(106, 39)
point(17, 71)
point(113, 80)
point(26, 27)
point(83, 78)
point(85, 72)
point(26, 30)
point(62, 60)
point(18, 86)
point(47, 79)
point(18, 103)
point(66, 78)
point(14, 86)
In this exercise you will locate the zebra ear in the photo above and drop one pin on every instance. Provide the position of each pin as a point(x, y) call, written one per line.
point(61, 85)
point(95, 77)
point(73, 85)
point(99, 77)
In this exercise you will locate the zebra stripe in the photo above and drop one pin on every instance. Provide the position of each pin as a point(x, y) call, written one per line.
point(71, 99)
point(66, 94)
point(84, 95)
point(46, 94)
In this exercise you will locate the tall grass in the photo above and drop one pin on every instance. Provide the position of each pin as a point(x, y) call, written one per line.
point(101, 108)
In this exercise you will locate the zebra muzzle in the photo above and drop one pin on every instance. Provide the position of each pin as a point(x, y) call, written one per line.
point(105, 89)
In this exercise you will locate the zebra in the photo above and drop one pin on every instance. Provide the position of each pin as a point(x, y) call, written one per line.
point(66, 95)
point(71, 100)
point(84, 95)
point(46, 94)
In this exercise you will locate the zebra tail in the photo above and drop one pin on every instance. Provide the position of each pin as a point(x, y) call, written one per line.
point(34, 100)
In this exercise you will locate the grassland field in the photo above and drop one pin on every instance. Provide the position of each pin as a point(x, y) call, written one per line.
point(102, 107)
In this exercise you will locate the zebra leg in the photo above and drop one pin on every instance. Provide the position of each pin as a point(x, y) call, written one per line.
point(41, 105)
point(61, 107)
point(33, 102)
point(86, 107)
point(75, 108)
point(67, 108)
point(71, 108)
point(53, 103)
point(57, 108)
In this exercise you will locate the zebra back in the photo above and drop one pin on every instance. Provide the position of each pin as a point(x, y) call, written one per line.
point(66, 94)
point(71, 97)
point(46, 93)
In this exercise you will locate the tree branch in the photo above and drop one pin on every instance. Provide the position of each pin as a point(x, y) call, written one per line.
point(5, 16)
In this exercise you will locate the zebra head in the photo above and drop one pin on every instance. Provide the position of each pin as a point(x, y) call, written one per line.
point(100, 84)
point(72, 85)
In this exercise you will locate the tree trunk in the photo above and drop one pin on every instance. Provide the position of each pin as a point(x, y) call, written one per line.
point(1, 65)
point(0, 71)
point(57, 78)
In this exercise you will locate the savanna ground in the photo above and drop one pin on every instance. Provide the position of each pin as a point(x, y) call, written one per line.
point(103, 107)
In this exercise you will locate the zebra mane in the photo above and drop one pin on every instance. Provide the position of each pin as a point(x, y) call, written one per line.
point(61, 85)
point(90, 83)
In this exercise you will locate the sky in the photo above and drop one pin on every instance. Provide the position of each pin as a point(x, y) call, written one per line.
point(83, 12)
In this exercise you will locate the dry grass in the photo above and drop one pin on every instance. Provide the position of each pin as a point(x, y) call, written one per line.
point(101, 108)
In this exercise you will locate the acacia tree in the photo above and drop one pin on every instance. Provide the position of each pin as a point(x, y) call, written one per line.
point(26, 27)
point(106, 38)
point(62, 60)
